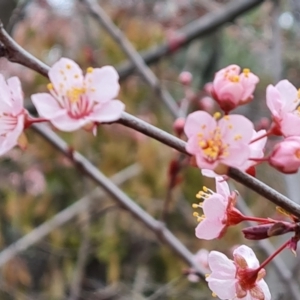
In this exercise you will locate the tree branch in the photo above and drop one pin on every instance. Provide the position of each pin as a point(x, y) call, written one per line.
point(64, 216)
point(104, 20)
point(196, 29)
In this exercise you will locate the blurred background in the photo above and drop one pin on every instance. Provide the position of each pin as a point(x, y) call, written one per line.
point(101, 252)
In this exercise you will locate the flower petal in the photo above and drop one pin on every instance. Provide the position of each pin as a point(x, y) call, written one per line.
point(65, 75)
point(264, 287)
point(208, 230)
point(224, 289)
point(46, 105)
point(107, 112)
point(5, 98)
point(64, 122)
point(222, 187)
point(102, 84)
point(15, 87)
point(289, 95)
point(248, 254)
point(221, 266)
point(199, 121)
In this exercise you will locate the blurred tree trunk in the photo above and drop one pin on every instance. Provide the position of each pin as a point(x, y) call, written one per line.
point(6, 9)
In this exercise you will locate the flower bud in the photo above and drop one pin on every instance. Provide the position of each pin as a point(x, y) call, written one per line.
point(232, 88)
point(185, 78)
point(265, 231)
point(286, 155)
point(178, 126)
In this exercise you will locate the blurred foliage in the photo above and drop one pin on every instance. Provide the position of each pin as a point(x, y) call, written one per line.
point(125, 260)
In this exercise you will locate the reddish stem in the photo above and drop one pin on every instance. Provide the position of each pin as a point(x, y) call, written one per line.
point(259, 220)
point(273, 255)
point(269, 132)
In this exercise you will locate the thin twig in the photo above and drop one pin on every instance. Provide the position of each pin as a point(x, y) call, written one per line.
point(196, 29)
point(83, 253)
point(104, 20)
point(64, 216)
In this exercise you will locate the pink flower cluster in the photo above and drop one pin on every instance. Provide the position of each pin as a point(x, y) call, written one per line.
point(74, 101)
point(218, 143)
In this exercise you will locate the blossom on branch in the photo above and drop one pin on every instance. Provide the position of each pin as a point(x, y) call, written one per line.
point(256, 152)
point(238, 279)
point(286, 155)
point(283, 100)
point(215, 142)
point(218, 211)
point(12, 113)
point(75, 100)
point(231, 88)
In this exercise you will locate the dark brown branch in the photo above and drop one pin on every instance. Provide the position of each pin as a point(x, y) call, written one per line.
point(196, 29)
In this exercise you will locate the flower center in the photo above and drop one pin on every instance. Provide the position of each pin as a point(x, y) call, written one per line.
point(74, 94)
point(213, 147)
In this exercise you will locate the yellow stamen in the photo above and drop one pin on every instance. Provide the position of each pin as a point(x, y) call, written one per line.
point(246, 72)
point(89, 70)
point(50, 86)
point(234, 78)
point(74, 94)
point(195, 214)
point(194, 205)
point(237, 137)
point(217, 115)
point(68, 66)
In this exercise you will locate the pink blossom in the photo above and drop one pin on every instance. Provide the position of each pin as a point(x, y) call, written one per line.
point(76, 100)
point(218, 211)
point(286, 155)
point(283, 100)
point(12, 113)
point(256, 152)
point(230, 88)
point(237, 279)
point(201, 259)
point(213, 142)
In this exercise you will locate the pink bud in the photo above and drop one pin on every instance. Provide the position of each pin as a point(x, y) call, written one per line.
point(185, 78)
point(207, 104)
point(232, 88)
point(286, 155)
point(263, 123)
point(178, 126)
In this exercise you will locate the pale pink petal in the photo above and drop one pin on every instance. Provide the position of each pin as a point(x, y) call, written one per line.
point(231, 91)
point(236, 129)
point(263, 285)
point(14, 85)
point(203, 163)
point(289, 95)
point(107, 112)
point(274, 102)
point(46, 105)
point(201, 258)
point(209, 173)
point(192, 145)
point(214, 207)
point(209, 230)
point(290, 124)
point(221, 266)
point(248, 82)
point(64, 122)
point(238, 156)
point(198, 122)
point(248, 254)
point(222, 187)
point(102, 84)
point(224, 289)
point(11, 140)
point(65, 75)
point(5, 99)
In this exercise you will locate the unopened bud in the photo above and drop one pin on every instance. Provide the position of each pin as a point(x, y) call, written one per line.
point(178, 126)
point(207, 104)
point(265, 231)
point(185, 78)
